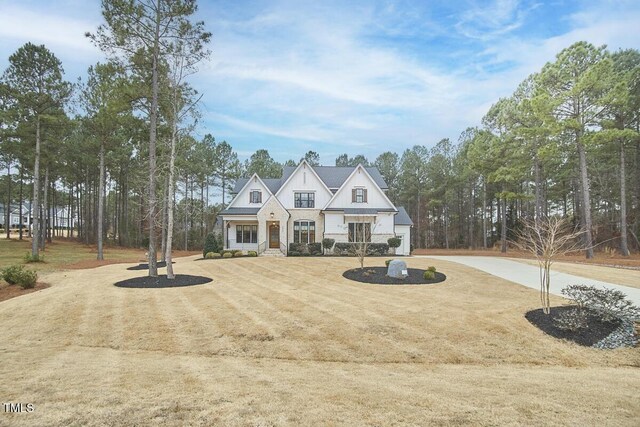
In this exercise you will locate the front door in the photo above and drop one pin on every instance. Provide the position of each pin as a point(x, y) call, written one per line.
point(274, 236)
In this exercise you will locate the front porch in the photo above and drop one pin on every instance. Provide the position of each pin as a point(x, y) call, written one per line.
point(266, 237)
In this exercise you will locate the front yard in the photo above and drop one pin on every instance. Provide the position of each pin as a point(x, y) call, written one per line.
point(276, 341)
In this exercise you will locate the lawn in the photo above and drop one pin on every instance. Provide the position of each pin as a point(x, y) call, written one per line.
point(289, 341)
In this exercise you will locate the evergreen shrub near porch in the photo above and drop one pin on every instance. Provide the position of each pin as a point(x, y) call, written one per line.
point(305, 249)
point(343, 248)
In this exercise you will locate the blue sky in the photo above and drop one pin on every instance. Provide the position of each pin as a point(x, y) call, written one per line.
point(348, 76)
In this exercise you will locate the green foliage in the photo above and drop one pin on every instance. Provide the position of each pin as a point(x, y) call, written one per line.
point(344, 248)
point(263, 165)
point(17, 274)
point(431, 268)
point(328, 243)
point(607, 304)
point(429, 275)
point(227, 255)
point(238, 254)
point(211, 244)
point(252, 253)
point(304, 249)
point(293, 253)
point(29, 258)
point(387, 262)
point(394, 242)
point(236, 251)
point(212, 255)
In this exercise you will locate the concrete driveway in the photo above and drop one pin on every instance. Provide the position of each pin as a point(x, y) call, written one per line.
point(529, 275)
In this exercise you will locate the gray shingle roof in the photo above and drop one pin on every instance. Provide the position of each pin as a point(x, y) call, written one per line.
point(364, 211)
point(332, 176)
point(273, 184)
point(402, 217)
point(240, 211)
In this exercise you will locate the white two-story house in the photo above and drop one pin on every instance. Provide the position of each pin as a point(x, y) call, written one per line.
point(310, 203)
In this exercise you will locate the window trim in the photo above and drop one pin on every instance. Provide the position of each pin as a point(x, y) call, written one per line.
point(259, 198)
point(310, 231)
point(311, 199)
point(352, 236)
point(362, 196)
point(252, 229)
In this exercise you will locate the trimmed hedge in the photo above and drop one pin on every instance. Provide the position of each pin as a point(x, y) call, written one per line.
point(343, 248)
point(212, 255)
point(238, 254)
point(304, 249)
point(252, 253)
point(394, 242)
point(429, 275)
point(328, 243)
point(227, 255)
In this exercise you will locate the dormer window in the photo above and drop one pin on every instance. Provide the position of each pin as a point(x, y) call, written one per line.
point(359, 195)
point(255, 196)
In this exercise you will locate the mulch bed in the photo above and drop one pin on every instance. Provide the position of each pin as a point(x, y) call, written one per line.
point(378, 276)
point(11, 291)
point(162, 282)
point(595, 331)
point(146, 266)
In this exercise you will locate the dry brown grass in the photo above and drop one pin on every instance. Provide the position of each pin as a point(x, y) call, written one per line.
point(290, 342)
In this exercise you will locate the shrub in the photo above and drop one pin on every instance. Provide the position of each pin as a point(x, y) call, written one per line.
point(607, 304)
point(237, 254)
point(17, 274)
point(387, 262)
point(294, 253)
point(227, 255)
point(328, 243)
point(30, 258)
point(11, 274)
point(252, 253)
point(394, 242)
point(211, 244)
point(315, 248)
point(298, 247)
point(572, 320)
point(28, 279)
point(212, 255)
point(432, 268)
point(429, 275)
point(344, 248)
point(411, 249)
point(236, 251)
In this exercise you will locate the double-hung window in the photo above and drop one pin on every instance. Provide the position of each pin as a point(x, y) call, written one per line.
point(359, 195)
point(255, 196)
point(304, 200)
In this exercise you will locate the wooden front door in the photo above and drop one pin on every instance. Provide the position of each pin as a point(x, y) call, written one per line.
point(274, 236)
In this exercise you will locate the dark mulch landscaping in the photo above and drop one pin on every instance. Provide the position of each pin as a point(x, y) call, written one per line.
point(378, 276)
point(595, 331)
point(162, 281)
point(146, 266)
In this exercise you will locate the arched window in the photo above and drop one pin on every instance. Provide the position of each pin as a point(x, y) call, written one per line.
point(304, 231)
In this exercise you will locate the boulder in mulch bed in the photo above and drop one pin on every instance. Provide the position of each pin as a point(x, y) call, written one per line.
point(162, 282)
point(378, 276)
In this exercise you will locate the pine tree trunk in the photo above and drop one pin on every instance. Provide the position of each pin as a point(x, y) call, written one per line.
point(35, 206)
point(7, 223)
point(624, 248)
point(484, 213)
point(503, 231)
point(163, 252)
point(170, 197)
point(20, 201)
point(101, 204)
point(586, 199)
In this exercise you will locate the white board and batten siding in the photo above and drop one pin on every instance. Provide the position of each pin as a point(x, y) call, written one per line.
point(360, 179)
point(304, 180)
point(403, 231)
point(242, 198)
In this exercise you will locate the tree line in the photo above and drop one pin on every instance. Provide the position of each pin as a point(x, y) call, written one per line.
point(117, 149)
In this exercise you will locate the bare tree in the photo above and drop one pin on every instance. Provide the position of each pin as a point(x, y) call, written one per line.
point(360, 235)
point(547, 238)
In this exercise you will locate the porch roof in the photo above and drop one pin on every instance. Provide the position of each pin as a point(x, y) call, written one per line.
point(240, 211)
